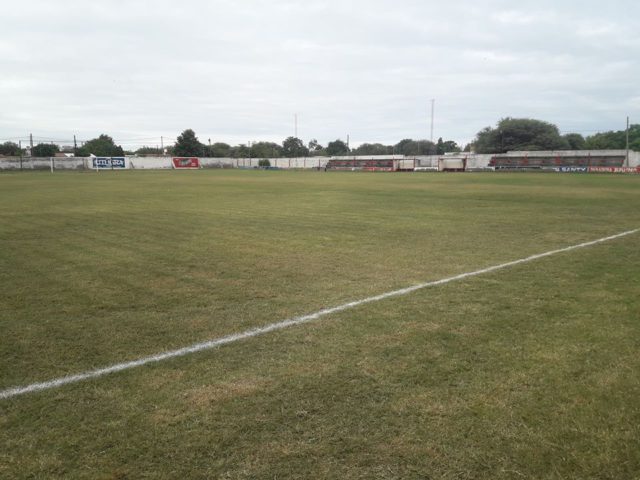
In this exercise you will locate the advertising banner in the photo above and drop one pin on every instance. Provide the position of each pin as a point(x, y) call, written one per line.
point(186, 162)
point(614, 169)
point(109, 162)
point(572, 169)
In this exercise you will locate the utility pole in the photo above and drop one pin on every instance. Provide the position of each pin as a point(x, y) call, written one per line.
point(31, 143)
point(75, 146)
point(161, 146)
point(347, 141)
point(627, 141)
point(433, 103)
point(20, 148)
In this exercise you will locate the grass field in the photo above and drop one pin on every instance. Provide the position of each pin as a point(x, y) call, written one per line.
point(528, 372)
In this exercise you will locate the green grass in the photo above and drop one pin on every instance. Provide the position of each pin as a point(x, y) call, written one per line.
point(530, 372)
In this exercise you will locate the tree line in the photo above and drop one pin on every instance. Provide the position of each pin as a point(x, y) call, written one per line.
point(509, 134)
point(103, 146)
point(529, 134)
point(187, 144)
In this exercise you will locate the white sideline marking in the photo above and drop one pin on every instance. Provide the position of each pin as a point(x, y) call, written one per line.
point(197, 347)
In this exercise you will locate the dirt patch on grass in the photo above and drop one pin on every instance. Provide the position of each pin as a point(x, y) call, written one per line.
point(206, 395)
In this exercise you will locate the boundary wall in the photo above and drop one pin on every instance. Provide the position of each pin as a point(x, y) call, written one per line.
point(153, 163)
point(419, 162)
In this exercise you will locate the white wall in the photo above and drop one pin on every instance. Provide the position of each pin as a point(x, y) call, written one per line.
point(474, 161)
point(44, 163)
point(286, 163)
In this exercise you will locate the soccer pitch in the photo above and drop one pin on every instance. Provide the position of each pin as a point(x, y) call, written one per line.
point(530, 371)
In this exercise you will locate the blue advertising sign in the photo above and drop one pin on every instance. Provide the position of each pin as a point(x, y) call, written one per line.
point(117, 162)
point(109, 162)
point(571, 169)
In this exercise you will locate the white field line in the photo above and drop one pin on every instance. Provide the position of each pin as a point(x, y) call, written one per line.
point(197, 347)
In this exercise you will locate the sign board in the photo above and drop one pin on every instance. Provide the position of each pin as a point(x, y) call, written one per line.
point(186, 162)
point(572, 169)
point(614, 169)
point(109, 162)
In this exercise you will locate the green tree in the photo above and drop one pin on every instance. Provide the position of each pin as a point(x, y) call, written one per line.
point(188, 145)
point(293, 147)
point(148, 151)
point(520, 134)
point(239, 151)
point(408, 146)
point(103, 146)
point(218, 149)
point(337, 148)
point(634, 137)
point(45, 150)
point(373, 149)
point(314, 146)
point(446, 147)
point(315, 149)
point(10, 149)
point(606, 141)
point(266, 150)
point(615, 140)
point(575, 141)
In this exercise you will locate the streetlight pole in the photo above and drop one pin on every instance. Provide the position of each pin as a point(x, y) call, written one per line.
point(433, 104)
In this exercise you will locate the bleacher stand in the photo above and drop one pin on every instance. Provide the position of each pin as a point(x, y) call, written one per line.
point(526, 161)
point(365, 164)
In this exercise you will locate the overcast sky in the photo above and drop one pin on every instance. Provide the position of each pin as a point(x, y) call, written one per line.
point(238, 71)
